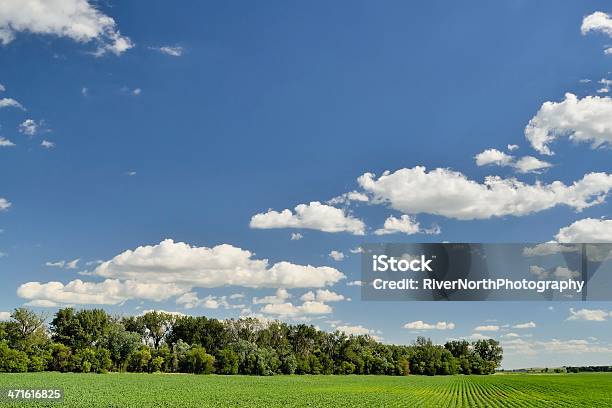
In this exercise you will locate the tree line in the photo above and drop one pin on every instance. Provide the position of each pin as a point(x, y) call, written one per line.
point(94, 341)
point(589, 369)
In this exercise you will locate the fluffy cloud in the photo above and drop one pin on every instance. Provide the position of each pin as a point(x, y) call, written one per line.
point(528, 325)
point(108, 292)
point(526, 164)
point(512, 147)
point(222, 265)
point(592, 315)
point(78, 20)
point(296, 236)
point(191, 300)
point(421, 325)
point(289, 310)
point(280, 297)
point(493, 156)
point(586, 230)
point(347, 198)
point(598, 21)
point(315, 216)
point(4, 142)
point(406, 225)
point(171, 269)
point(488, 328)
point(530, 164)
point(4, 316)
point(322, 295)
point(451, 194)
point(29, 127)
point(336, 255)
point(10, 103)
point(586, 120)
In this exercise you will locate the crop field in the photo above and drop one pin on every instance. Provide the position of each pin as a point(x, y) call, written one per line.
point(184, 390)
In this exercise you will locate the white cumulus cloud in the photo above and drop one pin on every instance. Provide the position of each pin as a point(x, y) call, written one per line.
point(526, 164)
point(107, 292)
point(586, 120)
point(314, 216)
point(406, 225)
point(488, 328)
point(589, 230)
point(421, 325)
point(451, 194)
point(222, 265)
point(347, 198)
point(280, 297)
point(336, 255)
point(597, 21)
point(493, 156)
point(191, 300)
point(29, 127)
point(170, 268)
point(592, 315)
point(322, 295)
point(79, 20)
point(289, 310)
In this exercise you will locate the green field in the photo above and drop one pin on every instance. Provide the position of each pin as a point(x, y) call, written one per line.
point(183, 390)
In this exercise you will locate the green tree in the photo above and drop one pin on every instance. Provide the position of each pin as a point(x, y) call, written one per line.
point(157, 363)
point(139, 360)
point(157, 325)
point(12, 361)
point(121, 344)
point(61, 358)
point(227, 362)
point(491, 352)
point(197, 361)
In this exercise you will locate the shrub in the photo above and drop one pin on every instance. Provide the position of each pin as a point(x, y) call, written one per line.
point(197, 361)
point(12, 361)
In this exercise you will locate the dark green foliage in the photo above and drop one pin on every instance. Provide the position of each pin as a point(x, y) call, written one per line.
point(227, 362)
point(91, 341)
point(12, 361)
point(197, 361)
point(61, 358)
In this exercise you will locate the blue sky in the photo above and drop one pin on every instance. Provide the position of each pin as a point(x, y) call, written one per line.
point(185, 123)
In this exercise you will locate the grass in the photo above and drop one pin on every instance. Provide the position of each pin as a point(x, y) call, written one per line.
point(182, 390)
